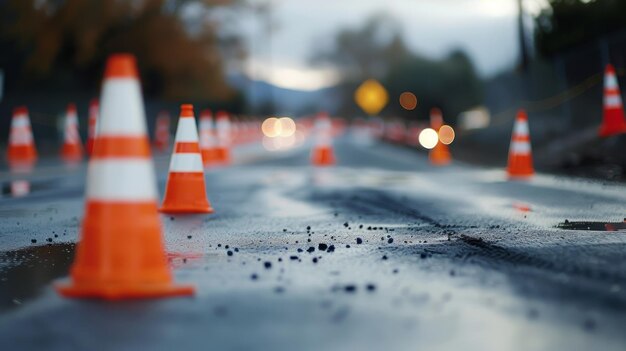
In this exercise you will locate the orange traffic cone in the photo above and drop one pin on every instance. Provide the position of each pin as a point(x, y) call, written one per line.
point(162, 132)
point(121, 253)
point(440, 154)
point(323, 153)
point(72, 150)
point(93, 120)
point(613, 121)
point(21, 148)
point(185, 191)
point(207, 138)
point(224, 137)
point(520, 156)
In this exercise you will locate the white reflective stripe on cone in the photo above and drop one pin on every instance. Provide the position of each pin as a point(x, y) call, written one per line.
point(121, 112)
point(20, 137)
point(520, 147)
point(117, 179)
point(612, 100)
point(20, 121)
point(610, 82)
point(521, 128)
point(186, 131)
point(186, 163)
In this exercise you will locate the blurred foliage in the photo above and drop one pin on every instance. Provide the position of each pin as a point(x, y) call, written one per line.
point(377, 50)
point(565, 24)
point(63, 44)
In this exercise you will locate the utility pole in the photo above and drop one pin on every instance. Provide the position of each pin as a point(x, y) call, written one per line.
point(523, 66)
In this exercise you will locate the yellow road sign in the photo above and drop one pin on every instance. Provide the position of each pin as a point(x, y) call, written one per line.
point(371, 97)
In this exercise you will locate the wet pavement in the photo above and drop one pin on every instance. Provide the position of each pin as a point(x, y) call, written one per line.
point(381, 252)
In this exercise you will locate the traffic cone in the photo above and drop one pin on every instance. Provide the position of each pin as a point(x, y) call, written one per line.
point(613, 121)
point(323, 153)
point(440, 154)
point(207, 138)
point(72, 150)
point(121, 253)
point(21, 147)
point(520, 163)
point(162, 132)
point(224, 137)
point(93, 120)
point(185, 191)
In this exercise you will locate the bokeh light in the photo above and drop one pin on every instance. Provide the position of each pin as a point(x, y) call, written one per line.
point(287, 126)
point(408, 100)
point(428, 138)
point(446, 134)
point(271, 127)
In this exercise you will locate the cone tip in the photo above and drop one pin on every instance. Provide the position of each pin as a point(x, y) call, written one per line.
point(521, 115)
point(206, 113)
point(610, 68)
point(20, 110)
point(71, 108)
point(221, 115)
point(186, 110)
point(121, 66)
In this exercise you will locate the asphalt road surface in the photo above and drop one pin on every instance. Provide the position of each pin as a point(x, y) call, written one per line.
point(381, 252)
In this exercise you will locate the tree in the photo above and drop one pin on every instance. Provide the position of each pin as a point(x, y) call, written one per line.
point(63, 45)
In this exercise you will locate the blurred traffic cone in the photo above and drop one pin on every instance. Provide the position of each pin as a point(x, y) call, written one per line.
point(72, 150)
point(207, 138)
point(520, 163)
point(323, 153)
point(440, 154)
point(121, 254)
point(224, 137)
point(93, 120)
point(613, 121)
point(21, 149)
point(185, 191)
point(162, 132)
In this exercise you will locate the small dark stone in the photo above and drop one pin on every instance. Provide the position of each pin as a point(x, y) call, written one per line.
point(369, 228)
point(347, 246)
point(236, 250)
point(310, 249)
point(360, 226)
point(423, 255)
point(56, 236)
point(293, 257)
point(390, 241)
point(267, 264)
point(226, 247)
point(284, 230)
point(395, 271)
point(49, 240)
point(254, 276)
point(219, 245)
point(188, 236)
point(229, 253)
point(299, 250)
point(308, 227)
point(359, 241)
point(331, 248)
point(171, 218)
point(350, 288)
point(314, 259)
point(322, 247)
point(280, 259)
point(384, 257)
point(346, 224)
point(33, 240)
point(370, 287)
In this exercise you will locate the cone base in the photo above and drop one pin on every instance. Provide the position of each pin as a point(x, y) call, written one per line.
point(520, 175)
point(109, 291)
point(185, 193)
point(221, 155)
point(606, 132)
point(185, 210)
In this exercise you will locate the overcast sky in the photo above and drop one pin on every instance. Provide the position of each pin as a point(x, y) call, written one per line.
point(485, 29)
